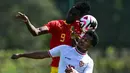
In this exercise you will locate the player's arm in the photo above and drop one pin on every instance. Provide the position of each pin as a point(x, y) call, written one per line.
point(33, 55)
point(39, 55)
point(89, 68)
point(33, 30)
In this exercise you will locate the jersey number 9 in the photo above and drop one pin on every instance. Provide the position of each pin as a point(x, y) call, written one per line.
point(62, 37)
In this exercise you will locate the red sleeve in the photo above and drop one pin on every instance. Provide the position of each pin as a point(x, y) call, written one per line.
point(53, 26)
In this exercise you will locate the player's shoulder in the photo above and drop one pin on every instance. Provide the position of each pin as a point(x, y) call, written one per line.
point(57, 21)
point(66, 47)
point(54, 21)
point(89, 59)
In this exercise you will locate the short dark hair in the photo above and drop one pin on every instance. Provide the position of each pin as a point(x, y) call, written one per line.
point(94, 36)
point(83, 7)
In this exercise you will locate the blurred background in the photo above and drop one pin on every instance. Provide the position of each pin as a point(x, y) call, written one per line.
point(111, 55)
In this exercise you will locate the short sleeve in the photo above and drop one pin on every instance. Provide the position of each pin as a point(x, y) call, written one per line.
point(55, 52)
point(89, 67)
point(52, 26)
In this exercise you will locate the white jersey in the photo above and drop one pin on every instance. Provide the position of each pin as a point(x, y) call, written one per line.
point(82, 63)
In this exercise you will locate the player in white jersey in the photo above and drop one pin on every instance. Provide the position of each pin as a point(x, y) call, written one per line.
point(72, 59)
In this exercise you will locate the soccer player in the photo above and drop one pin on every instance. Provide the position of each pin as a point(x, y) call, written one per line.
point(72, 59)
point(59, 29)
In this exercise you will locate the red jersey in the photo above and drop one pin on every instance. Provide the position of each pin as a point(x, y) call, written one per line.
point(61, 34)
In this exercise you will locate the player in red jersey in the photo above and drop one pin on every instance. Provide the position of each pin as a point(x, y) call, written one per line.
point(59, 29)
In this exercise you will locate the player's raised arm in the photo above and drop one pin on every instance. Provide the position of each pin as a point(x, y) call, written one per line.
point(33, 55)
point(39, 54)
point(33, 30)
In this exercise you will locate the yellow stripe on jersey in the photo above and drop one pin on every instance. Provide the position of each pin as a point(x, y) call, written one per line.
point(54, 69)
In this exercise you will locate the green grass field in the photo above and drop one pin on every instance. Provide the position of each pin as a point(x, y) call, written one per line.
point(22, 65)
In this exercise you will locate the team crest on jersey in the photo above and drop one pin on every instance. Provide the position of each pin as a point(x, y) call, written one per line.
point(81, 63)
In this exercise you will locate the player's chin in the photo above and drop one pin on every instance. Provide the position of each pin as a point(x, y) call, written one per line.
point(80, 46)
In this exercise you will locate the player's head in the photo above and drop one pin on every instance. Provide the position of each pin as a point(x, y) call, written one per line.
point(90, 39)
point(88, 22)
point(77, 11)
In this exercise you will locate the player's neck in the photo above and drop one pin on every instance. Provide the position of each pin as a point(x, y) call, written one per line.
point(80, 50)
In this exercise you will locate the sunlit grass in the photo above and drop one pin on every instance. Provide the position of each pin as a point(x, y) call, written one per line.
point(23, 65)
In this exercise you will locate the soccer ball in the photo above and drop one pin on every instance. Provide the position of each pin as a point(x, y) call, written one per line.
point(88, 22)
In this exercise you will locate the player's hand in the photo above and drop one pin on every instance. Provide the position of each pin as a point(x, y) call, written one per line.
point(23, 17)
point(15, 56)
point(70, 69)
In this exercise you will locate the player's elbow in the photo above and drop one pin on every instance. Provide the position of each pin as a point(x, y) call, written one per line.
point(34, 34)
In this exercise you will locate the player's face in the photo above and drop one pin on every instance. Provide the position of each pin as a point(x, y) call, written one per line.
point(72, 15)
point(84, 43)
